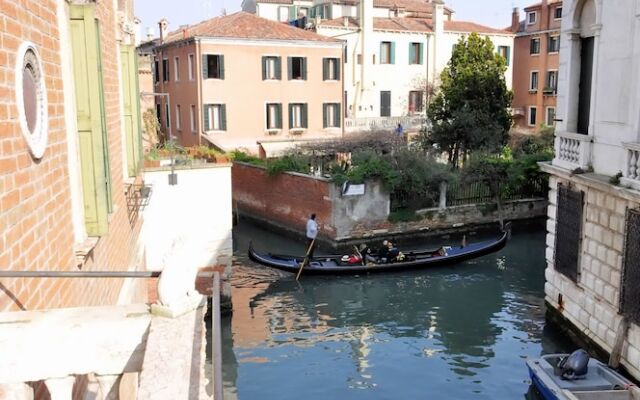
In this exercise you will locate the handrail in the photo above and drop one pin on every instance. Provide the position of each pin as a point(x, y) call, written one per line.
point(86, 274)
point(216, 338)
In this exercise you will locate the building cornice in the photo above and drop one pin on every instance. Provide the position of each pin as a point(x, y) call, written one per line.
point(268, 42)
point(537, 33)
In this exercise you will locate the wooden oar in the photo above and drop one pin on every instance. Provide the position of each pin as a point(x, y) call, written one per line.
point(306, 259)
point(359, 255)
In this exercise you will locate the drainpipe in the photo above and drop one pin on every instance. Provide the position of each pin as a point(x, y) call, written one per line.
point(198, 77)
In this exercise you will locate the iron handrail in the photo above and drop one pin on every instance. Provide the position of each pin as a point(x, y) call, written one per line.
point(86, 274)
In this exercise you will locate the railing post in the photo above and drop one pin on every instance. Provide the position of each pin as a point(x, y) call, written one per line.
point(60, 388)
point(443, 196)
point(216, 339)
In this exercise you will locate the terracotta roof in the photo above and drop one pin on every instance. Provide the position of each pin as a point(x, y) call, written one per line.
point(465, 26)
point(410, 5)
point(242, 25)
point(386, 24)
point(539, 5)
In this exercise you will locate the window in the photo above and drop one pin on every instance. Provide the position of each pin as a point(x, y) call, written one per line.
point(297, 115)
point(532, 116)
point(156, 72)
point(387, 50)
point(552, 82)
point(415, 101)
point(192, 66)
point(359, 57)
point(178, 122)
point(554, 44)
point(557, 13)
point(271, 68)
point(531, 18)
point(159, 112)
point(165, 70)
point(283, 14)
point(551, 116)
point(630, 283)
point(32, 99)
point(346, 51)
point(215, 117)
point(297, 68)
point(385, 103)
point(505, 52)
point(274, 116)
point(131, 108)
point(569, 217)
point(415, 53)
point(534, 47)
point(213, 66)
point(331, 115)
point(192, 118)
point(533, 81)
point(176, 68)
point(166, 114)
point(330, 69)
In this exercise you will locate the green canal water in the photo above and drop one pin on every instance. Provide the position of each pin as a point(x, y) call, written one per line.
point(455, 332)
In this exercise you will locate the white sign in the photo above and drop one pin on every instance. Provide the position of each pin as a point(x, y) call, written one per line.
point(352, 190)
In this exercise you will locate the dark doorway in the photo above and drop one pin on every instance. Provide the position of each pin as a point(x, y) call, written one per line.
point(584, 93)
point(385, 103)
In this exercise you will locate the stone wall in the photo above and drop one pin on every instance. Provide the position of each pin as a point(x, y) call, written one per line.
point(592, 304)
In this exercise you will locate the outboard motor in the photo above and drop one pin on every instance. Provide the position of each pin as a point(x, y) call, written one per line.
point(575, 366)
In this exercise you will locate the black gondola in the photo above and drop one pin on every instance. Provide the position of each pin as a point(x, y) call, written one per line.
point(333, 264)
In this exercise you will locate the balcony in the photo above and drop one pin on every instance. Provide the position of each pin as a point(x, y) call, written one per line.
point(573, 150)
point(409, 123)
point(549, 91)
point(631, 173)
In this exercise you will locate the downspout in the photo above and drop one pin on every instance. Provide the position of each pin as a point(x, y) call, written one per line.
point(198, 77)
point(342, 93)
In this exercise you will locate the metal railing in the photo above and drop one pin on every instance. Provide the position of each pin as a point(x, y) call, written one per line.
point(216, 339)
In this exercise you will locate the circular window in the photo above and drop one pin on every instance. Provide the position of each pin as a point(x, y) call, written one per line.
point(31, 99)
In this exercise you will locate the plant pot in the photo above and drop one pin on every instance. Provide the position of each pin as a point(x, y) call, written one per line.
point(221, 159)
point(151, 163)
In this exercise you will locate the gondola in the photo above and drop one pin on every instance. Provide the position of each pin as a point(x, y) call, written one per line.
point(334, 264)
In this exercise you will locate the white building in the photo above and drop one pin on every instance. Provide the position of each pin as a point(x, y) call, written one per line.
point(394, 51)
point(593, 244)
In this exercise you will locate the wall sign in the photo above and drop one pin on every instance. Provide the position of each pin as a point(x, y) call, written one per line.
point(352, 190)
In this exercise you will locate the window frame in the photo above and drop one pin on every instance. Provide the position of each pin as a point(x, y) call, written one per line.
point(192, 118)
point(531, 47)
point(176, 66)
point(302, 68)
point(335, 113)
point(533, 73)
point(278, 117)
point(506, 55)
point(535, 17)
point(547, 84)
point(416, 48)
point(210, 110)
point(191, 61)
point(178, 119)
point(303, 117)
point(388, 45)
point(165, 70)
point(277, 68)
point(420, 96)
point(546, 115)
point(529, 113)
point(330, 69)
point(167, 116)
point(555, 13)
point(219, 67)
point(557, 41)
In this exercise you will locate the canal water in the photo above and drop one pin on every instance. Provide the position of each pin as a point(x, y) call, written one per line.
point(455, 332)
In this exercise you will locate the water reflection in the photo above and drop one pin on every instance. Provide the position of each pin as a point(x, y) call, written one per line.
point(450, 332)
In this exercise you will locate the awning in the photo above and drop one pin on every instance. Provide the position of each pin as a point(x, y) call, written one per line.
point(276, 149)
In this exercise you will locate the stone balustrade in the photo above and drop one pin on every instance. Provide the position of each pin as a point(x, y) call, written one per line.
point(631, 173)
point(572, 150)
point(384, 123)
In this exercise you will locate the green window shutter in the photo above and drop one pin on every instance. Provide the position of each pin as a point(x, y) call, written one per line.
point(508, 52)
point(289, 68)
point(292, 12)
point(290, 116)
point(304, 68)
point(338, 115)
point(85, 49)
point(392, 53)
point(336, 67)
point(223, 117)
point(264, 68)
point(131, 107)
point(205, 112)
point(279, 115)
point(278, 68)
point(411, 53)
point(324, 115)
point(205, 67)
point(221, 64)
point(325, 69)
point(421, 48)
point(304, 116)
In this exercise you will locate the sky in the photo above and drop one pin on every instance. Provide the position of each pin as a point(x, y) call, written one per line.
point(494, 13)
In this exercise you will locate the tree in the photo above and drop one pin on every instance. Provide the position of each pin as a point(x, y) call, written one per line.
point(151, 127)
point(470, 111)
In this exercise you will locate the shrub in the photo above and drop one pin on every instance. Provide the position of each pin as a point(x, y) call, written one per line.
point(290, 163)
point(403, 215)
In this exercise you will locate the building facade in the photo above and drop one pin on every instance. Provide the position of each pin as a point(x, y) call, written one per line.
point(536, 60)
point(394, 54)
point(241, 81)
point(593, 258)
point(70, 151)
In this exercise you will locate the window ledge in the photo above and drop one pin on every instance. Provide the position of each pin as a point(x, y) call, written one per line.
point(297, 131)
point(84, 249)
point(272, 132)
point(533, 91)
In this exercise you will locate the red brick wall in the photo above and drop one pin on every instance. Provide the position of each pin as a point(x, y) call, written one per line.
point(36, 231)
point(286, 198)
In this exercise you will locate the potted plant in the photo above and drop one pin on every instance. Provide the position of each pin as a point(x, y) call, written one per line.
point(152, 159)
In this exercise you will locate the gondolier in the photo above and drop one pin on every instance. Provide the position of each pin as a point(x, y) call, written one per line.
point(312, 232)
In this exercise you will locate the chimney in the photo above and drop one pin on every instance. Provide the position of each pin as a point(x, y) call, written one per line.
point(439, 51)
point(185, 31)
point(515, 20)
point(162, 26)
point(365, 14)
point(345, 22)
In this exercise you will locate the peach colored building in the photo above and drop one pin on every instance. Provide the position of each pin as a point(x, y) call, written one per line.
point(241, 81)
point(536, 60)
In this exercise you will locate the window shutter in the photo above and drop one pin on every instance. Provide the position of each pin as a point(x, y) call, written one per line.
point(93, 147)
point(264, 68)
point(131, 110)
point(508, 52)
point(338, 115)
point(290, 116)
point(292, 12)
point(421, 48)
point(205, 67)
point(304, 116)
point(324, 115)
point(223, 117)
point(304, 68)
point(289, 67)
point(278, 68)
point(336, 67)
point(221, 66)
point(279, 115)
point(411, 53)
point(392, 53)
point(325, 69)
point(205, 112)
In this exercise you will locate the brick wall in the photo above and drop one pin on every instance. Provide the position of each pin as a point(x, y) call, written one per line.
point(36, 229)
point(592, 304)
point(286, 199)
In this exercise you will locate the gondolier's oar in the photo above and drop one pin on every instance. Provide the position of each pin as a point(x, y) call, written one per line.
point(359, 255)
point(306, 258)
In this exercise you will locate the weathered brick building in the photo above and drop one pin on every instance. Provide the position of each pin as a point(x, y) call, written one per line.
point(70, 151)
